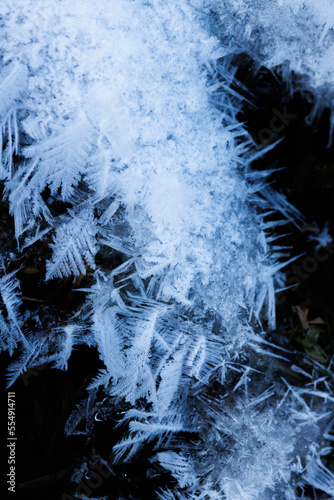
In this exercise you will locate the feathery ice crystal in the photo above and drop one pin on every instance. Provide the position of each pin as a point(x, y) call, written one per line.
point(123, 112)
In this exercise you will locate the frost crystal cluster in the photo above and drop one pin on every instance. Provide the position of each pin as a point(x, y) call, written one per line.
point(122, 112)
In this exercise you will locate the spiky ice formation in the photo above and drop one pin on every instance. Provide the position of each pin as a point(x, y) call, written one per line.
point(124, 111)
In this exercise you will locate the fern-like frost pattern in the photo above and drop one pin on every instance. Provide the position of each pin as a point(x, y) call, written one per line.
point(123, 157)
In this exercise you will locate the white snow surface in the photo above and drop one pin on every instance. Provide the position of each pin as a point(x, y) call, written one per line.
point(121, 108)
point(129, 109)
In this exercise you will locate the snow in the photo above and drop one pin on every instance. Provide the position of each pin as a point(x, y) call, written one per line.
point(125, 112)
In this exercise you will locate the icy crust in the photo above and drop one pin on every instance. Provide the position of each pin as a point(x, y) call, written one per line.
point(124, 111)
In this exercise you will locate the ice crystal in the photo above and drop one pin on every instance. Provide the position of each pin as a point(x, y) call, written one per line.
point(124, 113)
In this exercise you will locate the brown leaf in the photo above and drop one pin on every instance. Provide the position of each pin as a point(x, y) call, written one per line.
point(317, 321)
point(302, 314)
